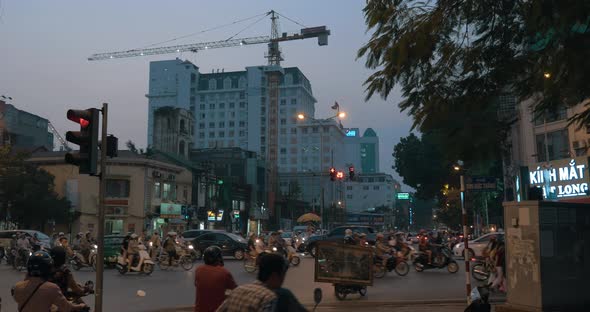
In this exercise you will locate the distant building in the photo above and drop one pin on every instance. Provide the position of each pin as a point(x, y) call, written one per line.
point(362, 151)
point(370, 190)
point(230, 108)
point(173, 131)
point(141, 194)
point(23, 130)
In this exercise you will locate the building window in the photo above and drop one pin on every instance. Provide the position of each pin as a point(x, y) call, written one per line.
point(326, 129)
point(365, 187)
point(222, 124)
point(283, 121)
point(221, 134)
point(221, 114)
point(231, 133)
point(211, 125)
point(557, 146)
point(212, 106)
point(232, 114)
point(371, 180)
point(293, 101)
point(293, 130)
point(283, 102)
point(221, 105)
point(349, 187)
point(232, 123)
point(376, 187)
point(283, 151)
point(117, 188)
point(242, 133)
point(262, 140)
point(202, 106)
point(157, 190)
point(202, 98)
point(349, 196)
point(232, 105)
point(242, 123)
point(211, 134)
point(168, 191)
point(242, 104)
point(185, 194)
point(283, 131)
point(314, 129)
point(202, 125)
point(203, 116)
point(304, 130)
point(181, 148)
point(547, 117)
point(263, 110)
point(201, 135)
point(242, 96)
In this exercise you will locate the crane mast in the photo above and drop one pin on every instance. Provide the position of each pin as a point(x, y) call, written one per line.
point(273, 71)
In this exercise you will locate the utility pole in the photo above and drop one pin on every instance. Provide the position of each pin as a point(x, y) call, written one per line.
point(101, 205)
point(466, 252)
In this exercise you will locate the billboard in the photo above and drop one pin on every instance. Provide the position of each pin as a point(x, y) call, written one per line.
point(170, 211)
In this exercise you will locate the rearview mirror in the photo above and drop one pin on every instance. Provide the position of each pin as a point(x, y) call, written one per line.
point(317, 296)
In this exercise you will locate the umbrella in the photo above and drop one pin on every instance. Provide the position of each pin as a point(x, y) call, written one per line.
point(309, 217)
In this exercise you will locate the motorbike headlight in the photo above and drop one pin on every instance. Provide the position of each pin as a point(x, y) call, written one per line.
point(274, 249)
point(95, 246)
point(303, 239)
point(258, 241)
point(191, 247)
point(30, 253)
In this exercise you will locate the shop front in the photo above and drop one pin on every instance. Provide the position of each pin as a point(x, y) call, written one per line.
point(170, 219)
point(561, 180)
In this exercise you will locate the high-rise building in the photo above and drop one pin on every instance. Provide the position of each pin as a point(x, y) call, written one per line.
point(362, 152)
point(23, 130)
point(230, 108)
point(173, 131)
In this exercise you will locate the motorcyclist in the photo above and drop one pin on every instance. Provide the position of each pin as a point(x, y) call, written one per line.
point(84, 247)
point(132, 249)
point(363, 240)
point(155, 243)
point(424, 246)
point(62, 276)
point(382, 250)
point(23, 245)
point(252, 245)
point(170, 247)
point(36, 293)
point(348, 239)
point(63, 242)
point(212, 281)
point(435, 244)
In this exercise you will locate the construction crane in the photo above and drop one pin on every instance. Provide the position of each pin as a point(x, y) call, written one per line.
point(61, 140)
point(273, 71)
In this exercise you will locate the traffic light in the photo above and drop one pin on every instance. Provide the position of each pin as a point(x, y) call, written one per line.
point(351, 173)
point(87, 138)
point(332, 173)
point(340, 175)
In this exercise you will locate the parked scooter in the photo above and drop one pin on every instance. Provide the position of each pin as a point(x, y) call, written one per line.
point(443, 259)
point(77, 261)
point(143, 263)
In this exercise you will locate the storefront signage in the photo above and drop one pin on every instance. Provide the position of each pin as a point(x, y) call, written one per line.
point(561, 178)
point(170, 211)
point(212, 217)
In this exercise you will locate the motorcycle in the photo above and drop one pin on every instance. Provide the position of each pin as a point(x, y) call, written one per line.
point(146, 267)
point(77, 261)
point(482, 270)
point(397, 263)
point(443, 259)
point(77, 299)
point(342, 290)
point(184, 260)
point(251, 262)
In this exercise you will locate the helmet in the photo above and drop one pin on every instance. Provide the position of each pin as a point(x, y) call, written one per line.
point(348, 232)
point(171, 233)
point(133, 235)
point(212, 255)
point(380, 235)
point(40, 264)
point(61, 234)
point(58, 254)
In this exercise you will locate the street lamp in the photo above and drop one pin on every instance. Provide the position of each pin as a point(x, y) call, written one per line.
point(458, 167)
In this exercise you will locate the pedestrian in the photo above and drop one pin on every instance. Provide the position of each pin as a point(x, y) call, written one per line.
point(260, 295)
point(35, 293)
point(212, 280)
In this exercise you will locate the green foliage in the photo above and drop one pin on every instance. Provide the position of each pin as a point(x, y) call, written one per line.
point(422, 164)
point(454, 58)
point(28, 195)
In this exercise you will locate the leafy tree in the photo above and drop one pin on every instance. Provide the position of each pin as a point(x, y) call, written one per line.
point(28, 196)
point(454, 58)
point(422, 164)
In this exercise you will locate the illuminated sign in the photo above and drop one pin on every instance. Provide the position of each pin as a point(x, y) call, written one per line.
point(170, 211)
point(561, 178)
point(350, 133)
point(212, 217)
point(403, 195)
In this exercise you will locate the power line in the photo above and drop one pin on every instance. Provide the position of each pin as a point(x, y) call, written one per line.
point(205, 30)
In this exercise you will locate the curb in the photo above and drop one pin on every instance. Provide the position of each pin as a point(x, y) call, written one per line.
point(361, 303)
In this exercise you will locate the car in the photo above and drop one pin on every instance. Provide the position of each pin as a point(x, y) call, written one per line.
point(476, 246)
point(337, 235)
point(190, 234)
point(230, 244)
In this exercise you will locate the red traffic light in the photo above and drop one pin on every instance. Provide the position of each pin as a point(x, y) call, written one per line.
point(340, 175)
point(332, 170)
point(81, 117)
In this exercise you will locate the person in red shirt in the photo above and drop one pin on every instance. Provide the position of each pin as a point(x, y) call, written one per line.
point(212, 280)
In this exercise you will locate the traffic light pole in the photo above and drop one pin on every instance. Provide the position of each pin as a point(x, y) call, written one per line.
point(101, 205)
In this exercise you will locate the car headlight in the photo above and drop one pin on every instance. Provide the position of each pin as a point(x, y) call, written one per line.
point(191, 247)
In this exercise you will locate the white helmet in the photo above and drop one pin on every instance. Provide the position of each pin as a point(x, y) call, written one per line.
point(348, 232)
point(133, 235)
point(171, 233)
